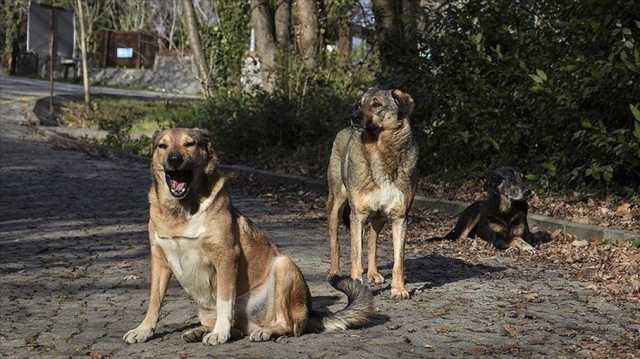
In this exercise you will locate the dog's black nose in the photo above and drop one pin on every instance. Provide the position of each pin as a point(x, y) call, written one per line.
point(174, 160)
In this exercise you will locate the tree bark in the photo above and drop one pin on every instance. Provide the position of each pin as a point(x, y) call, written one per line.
point(83, 51)
point(410, 13)
point(388, 31)
point(396, 32)
point(344, 44)
point(266, 48)
point(196, 47)
point(283, 30)
point(308, 36)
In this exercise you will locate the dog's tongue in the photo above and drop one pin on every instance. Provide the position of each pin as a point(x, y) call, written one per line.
point(177, 185)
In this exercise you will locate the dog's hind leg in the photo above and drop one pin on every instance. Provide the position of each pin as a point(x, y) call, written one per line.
point(357, 227)
point(335, 205)
point(375, 227)
point(288, 308)
point(467, 222)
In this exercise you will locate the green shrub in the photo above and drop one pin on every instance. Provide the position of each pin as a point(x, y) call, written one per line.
point(130, 123)
point(543, 85)
point(275, 126)
point(548, 86)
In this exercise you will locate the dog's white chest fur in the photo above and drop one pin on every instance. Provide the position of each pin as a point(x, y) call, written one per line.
point(386, 198)
point(189, 263)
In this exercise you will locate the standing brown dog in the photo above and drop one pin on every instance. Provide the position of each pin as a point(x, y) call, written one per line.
point(373, 170)
point(237, 278)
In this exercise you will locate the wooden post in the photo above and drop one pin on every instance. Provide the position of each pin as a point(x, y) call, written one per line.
point(107, 36)
point(52, 54)
point(138, 51)
point(83, 50)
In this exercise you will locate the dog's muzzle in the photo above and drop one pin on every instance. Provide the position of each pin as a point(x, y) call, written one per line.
point(177, 175)
point(516, 193)
point(178, 182)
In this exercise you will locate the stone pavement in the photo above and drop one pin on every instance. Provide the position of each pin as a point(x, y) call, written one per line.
point(73, 278)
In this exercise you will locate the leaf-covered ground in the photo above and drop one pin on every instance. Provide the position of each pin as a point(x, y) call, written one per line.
point(576, 206)
point(611, 269)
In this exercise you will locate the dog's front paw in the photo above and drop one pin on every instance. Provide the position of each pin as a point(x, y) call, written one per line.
point(526, 247)
point(215, 338)
point(399, 293)
point(519, 245)
point(528, 250)
point(260, 335)
point(138, 335)
point(375, 278)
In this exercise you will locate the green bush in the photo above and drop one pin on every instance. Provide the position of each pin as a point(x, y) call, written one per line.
point(276, 127)
point(548, 86)
point(130, 123)
point(543, 85)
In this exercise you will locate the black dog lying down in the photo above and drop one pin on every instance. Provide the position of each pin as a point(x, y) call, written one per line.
point(502, 218)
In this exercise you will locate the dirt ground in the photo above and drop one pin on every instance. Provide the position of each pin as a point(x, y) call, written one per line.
point(73, 274)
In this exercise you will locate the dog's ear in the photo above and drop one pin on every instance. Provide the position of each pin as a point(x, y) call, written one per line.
point(355, 114)
point(404, 102)
point(205, 140)
point(154, 141)
point(366, 96)
point(492, 183)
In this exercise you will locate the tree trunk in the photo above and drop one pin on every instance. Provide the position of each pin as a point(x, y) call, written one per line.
point(83, 50)
point(396, 33)
point(196, 47)
point(266, 48)
point(283, 29)
point(308, 36)
point(344, 41)
point(388, 31)
point(410, 13)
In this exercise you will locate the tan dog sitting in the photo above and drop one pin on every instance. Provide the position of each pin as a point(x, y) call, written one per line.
point(235, 275)
point(373, 172)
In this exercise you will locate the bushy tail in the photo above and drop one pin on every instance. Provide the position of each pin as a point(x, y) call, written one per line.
point(355, 314)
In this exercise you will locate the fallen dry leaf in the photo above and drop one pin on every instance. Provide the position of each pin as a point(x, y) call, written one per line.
point(579, 243)
point(610, 270)
point(624, 210)
point(509, 329)
point(442, 329)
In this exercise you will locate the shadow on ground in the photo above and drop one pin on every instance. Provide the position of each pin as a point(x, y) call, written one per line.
point(435, 270)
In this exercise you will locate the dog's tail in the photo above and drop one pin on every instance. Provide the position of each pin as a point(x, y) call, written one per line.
point(355, 314)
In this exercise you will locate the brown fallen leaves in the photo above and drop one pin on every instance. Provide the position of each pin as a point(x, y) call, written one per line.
point(611, 269)
point(585, 208)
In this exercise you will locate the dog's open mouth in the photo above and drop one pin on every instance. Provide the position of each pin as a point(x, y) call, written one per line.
point(178, 182)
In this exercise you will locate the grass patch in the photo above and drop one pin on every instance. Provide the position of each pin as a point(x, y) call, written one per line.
point(129, 122)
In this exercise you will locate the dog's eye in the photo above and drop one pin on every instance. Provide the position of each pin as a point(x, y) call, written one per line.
point(376, 104)
point(163, 146)
point(190, 144)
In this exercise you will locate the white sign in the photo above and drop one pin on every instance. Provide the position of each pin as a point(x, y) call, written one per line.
point(124, 53)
